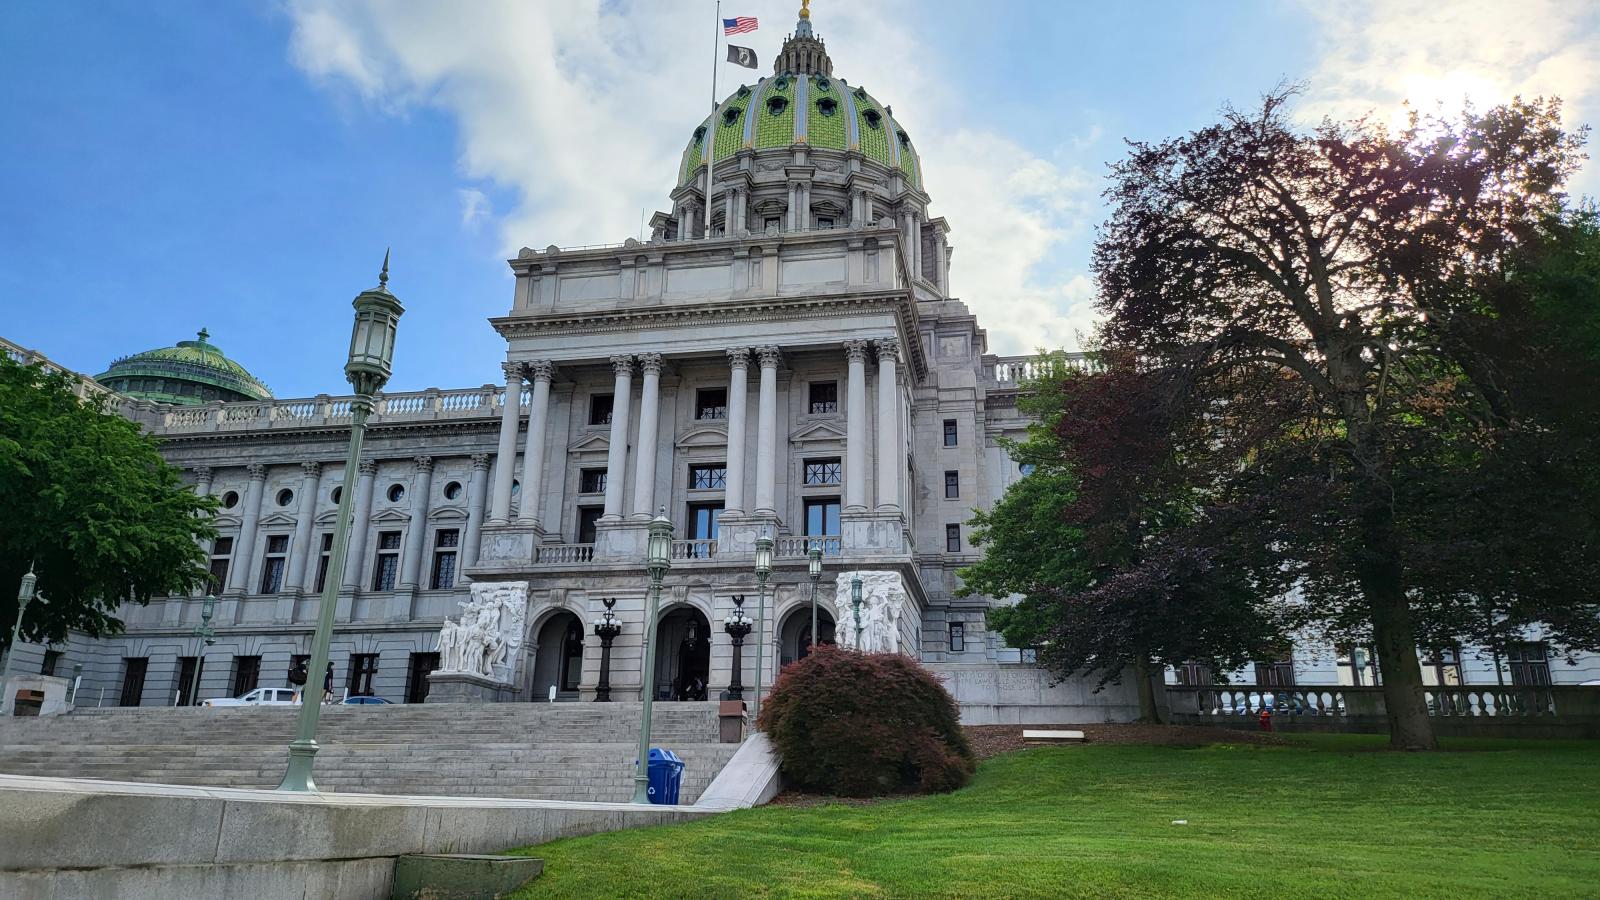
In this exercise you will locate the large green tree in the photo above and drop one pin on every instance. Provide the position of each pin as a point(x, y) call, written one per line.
point(91, 506)
point(1404, 467)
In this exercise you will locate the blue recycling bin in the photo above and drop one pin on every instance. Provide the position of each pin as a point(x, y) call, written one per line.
point(665, 773)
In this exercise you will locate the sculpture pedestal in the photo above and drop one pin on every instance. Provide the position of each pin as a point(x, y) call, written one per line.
point(465, 687)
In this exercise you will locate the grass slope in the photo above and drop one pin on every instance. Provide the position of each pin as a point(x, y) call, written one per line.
point(1325, 816)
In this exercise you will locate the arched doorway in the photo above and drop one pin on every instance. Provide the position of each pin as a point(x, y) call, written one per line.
point(794, 635)
point(683, 655)
point(558, 661)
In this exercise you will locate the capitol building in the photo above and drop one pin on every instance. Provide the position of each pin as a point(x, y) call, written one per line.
point(781, 358)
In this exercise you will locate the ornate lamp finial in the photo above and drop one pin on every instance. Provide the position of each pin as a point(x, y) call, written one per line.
point(202, 334)
point(805, 9)
point(383, 276)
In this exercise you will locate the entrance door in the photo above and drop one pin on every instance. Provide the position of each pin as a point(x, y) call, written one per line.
point(133, 680)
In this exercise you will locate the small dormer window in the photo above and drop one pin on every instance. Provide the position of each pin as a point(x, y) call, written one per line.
point(874, 119)
point(822, 82)
point(699, 134)
point(744, 90)
point(861, 93)
point(731, 115)
point(782, 84)
point(776, 105)
point(827, 106)
point(905, 140)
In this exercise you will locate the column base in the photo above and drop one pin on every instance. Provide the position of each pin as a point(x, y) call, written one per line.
point(465, 687)
point(882, 532)
point(620, 539)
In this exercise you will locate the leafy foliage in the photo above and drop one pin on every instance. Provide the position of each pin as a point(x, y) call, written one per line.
point(91, 505)
point(863, 725)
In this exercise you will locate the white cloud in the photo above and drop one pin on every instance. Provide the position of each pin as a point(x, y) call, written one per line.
point(582, 111)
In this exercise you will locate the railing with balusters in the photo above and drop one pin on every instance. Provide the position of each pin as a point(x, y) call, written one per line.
point(1012, 370)
point(694, 549)
point(303, 412)
point(1198, 702)
point(794, 547)
point(563, 553)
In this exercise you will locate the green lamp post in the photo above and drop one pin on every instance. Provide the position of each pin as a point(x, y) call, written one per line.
point(658, 553)
point(368, 367)
point(814, 570)
point(25, 594)
point(855, 603)
point(763, 572)
point(207, 635)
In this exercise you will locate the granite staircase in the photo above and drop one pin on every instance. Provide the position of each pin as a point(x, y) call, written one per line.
point(545, 751)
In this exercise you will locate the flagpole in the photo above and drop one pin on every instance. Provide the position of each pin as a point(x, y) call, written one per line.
point(715, 39)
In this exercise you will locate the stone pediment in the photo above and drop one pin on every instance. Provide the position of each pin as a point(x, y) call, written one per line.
point(328, 516)
point(391, 515)
point(276, 518)
point(590, 442)
point(703, 436)
point(816, 432)
point(229, 521)
point(447, 512)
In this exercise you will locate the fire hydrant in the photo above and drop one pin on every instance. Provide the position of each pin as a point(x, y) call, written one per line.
point(1265, 719)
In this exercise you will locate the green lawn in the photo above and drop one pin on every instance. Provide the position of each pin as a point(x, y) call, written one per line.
point(1326, 816)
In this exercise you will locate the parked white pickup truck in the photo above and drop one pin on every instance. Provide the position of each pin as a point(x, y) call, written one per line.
point(259, 697)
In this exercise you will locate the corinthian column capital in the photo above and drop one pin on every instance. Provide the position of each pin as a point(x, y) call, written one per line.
point(770, 356)
point(311, 469)
point(541, 370)
point(203, 474)
point(622, 365)
point(367, 467)
point(513, 372)
point(480, 462)
point(650, 363)
point(258, 472)
point(855, 351)
point(423, 463)
point(888, 350)
point(739, 358)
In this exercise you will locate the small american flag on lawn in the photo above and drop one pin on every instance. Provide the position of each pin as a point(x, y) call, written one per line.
point(739, 25)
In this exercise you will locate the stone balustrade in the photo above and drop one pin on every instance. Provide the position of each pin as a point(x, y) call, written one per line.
point(1010, 371)
point(1559, 710)
point(563, 554)
point(412, 406)
point(694, 550)
point(800, 547)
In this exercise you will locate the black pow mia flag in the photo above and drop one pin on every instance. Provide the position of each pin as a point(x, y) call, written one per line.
point(742, 56)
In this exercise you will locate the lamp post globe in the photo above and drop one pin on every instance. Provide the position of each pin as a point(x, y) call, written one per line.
point(658, 559)
point(606, 628)
point(855, 603)
point(26, 592)
point(814, 571)
point(737, 625)
point(207, 636)
point(763, 572)
point(367, 367)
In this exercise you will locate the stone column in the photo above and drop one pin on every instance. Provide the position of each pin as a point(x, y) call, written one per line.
point(477, 492)
point(739, 367)
point(767, 433)
point(889, 451)
point(793, 212)
point(302, 551)
point(907, 229)
point(506, 451)
point(362, 514)
point(941, 265)
point(417, 534)
point(855, 428)
point(644, 465)
point(203, 476)
point(539, 373)
point(617, 447)
point(244, 549)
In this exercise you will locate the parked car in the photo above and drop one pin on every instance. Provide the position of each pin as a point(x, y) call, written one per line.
point(1280, 702)
point(259, 697)
point(365, 701)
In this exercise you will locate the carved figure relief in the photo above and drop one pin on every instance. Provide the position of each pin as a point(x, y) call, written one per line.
point(485, 638)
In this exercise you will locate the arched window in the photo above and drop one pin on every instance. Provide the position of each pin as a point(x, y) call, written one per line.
point(776, 105)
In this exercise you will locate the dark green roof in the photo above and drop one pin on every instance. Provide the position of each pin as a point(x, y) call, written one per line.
point(154, 375)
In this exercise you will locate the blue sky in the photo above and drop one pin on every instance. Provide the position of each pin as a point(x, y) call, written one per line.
point(241, 166)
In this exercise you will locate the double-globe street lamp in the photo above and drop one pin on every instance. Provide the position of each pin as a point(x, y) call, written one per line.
point(814, 570)
point(855, 602)
point(208, 636)
point(606, 628)
point(658, 551)
point(367, 368)
point(763, 572)
point(737, 625)
point(26, 592)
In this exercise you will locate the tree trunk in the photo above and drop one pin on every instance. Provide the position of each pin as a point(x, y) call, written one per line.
point(1384, 588)
point(1148, 711)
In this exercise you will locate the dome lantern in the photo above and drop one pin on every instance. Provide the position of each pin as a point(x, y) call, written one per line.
point(191, 373)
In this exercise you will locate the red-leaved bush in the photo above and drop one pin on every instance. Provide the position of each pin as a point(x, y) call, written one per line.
point(862, 725)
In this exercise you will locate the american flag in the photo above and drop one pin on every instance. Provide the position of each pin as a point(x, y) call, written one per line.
point(740, 25)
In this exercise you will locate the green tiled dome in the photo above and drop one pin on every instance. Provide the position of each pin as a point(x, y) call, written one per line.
point(190, 374)
point(788, 109)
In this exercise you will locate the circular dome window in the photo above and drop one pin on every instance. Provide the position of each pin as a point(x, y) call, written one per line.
point(230, 499)
point(452, 490)
point(336, 493)
point(285, 497)
point(827, 106)
point(776, 105)
point(397, 492)
point(874, 119)
point(731, 115)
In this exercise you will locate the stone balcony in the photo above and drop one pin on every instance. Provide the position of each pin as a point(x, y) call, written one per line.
point(325, 411)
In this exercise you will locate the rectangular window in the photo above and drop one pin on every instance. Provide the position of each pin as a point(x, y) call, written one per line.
point(322, 563)
point(387, 566)
point(591, 481)
point(958, 637)
point(823, 471)
point(186, 676)
point(1442, 668)
point(711, 403)
point(950, 433)
point(600, 409)
point(272, 566)
point(246, 674)
point(824, 397)
point(445, 544)
point(952, 485)
point(133, 672)
point(1358, 666)
point(1530, 664)
point(1276, 673)
point(52, 659)
point(363, 668)
point(417, 676)
point(708, 478)
point(822, 517)
point(952, 539)
point(587, 516)
point(703, 521)
point(221, 555)
point(1193, 672)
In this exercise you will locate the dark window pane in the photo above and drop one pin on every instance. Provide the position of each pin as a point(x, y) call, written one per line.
point(952, 538)
point(600, 409)
point(952, 485)
point(822, 517)
point(708, 477)
point(949, 432)
point(592, 481)
point(587, 516)
point(711, 403)
point(246, 674)
point(272, 575)
point(823, 471)
point(444, 570)
point(824, 396)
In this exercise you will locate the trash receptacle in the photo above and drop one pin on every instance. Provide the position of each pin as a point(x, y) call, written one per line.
point(666, 774)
